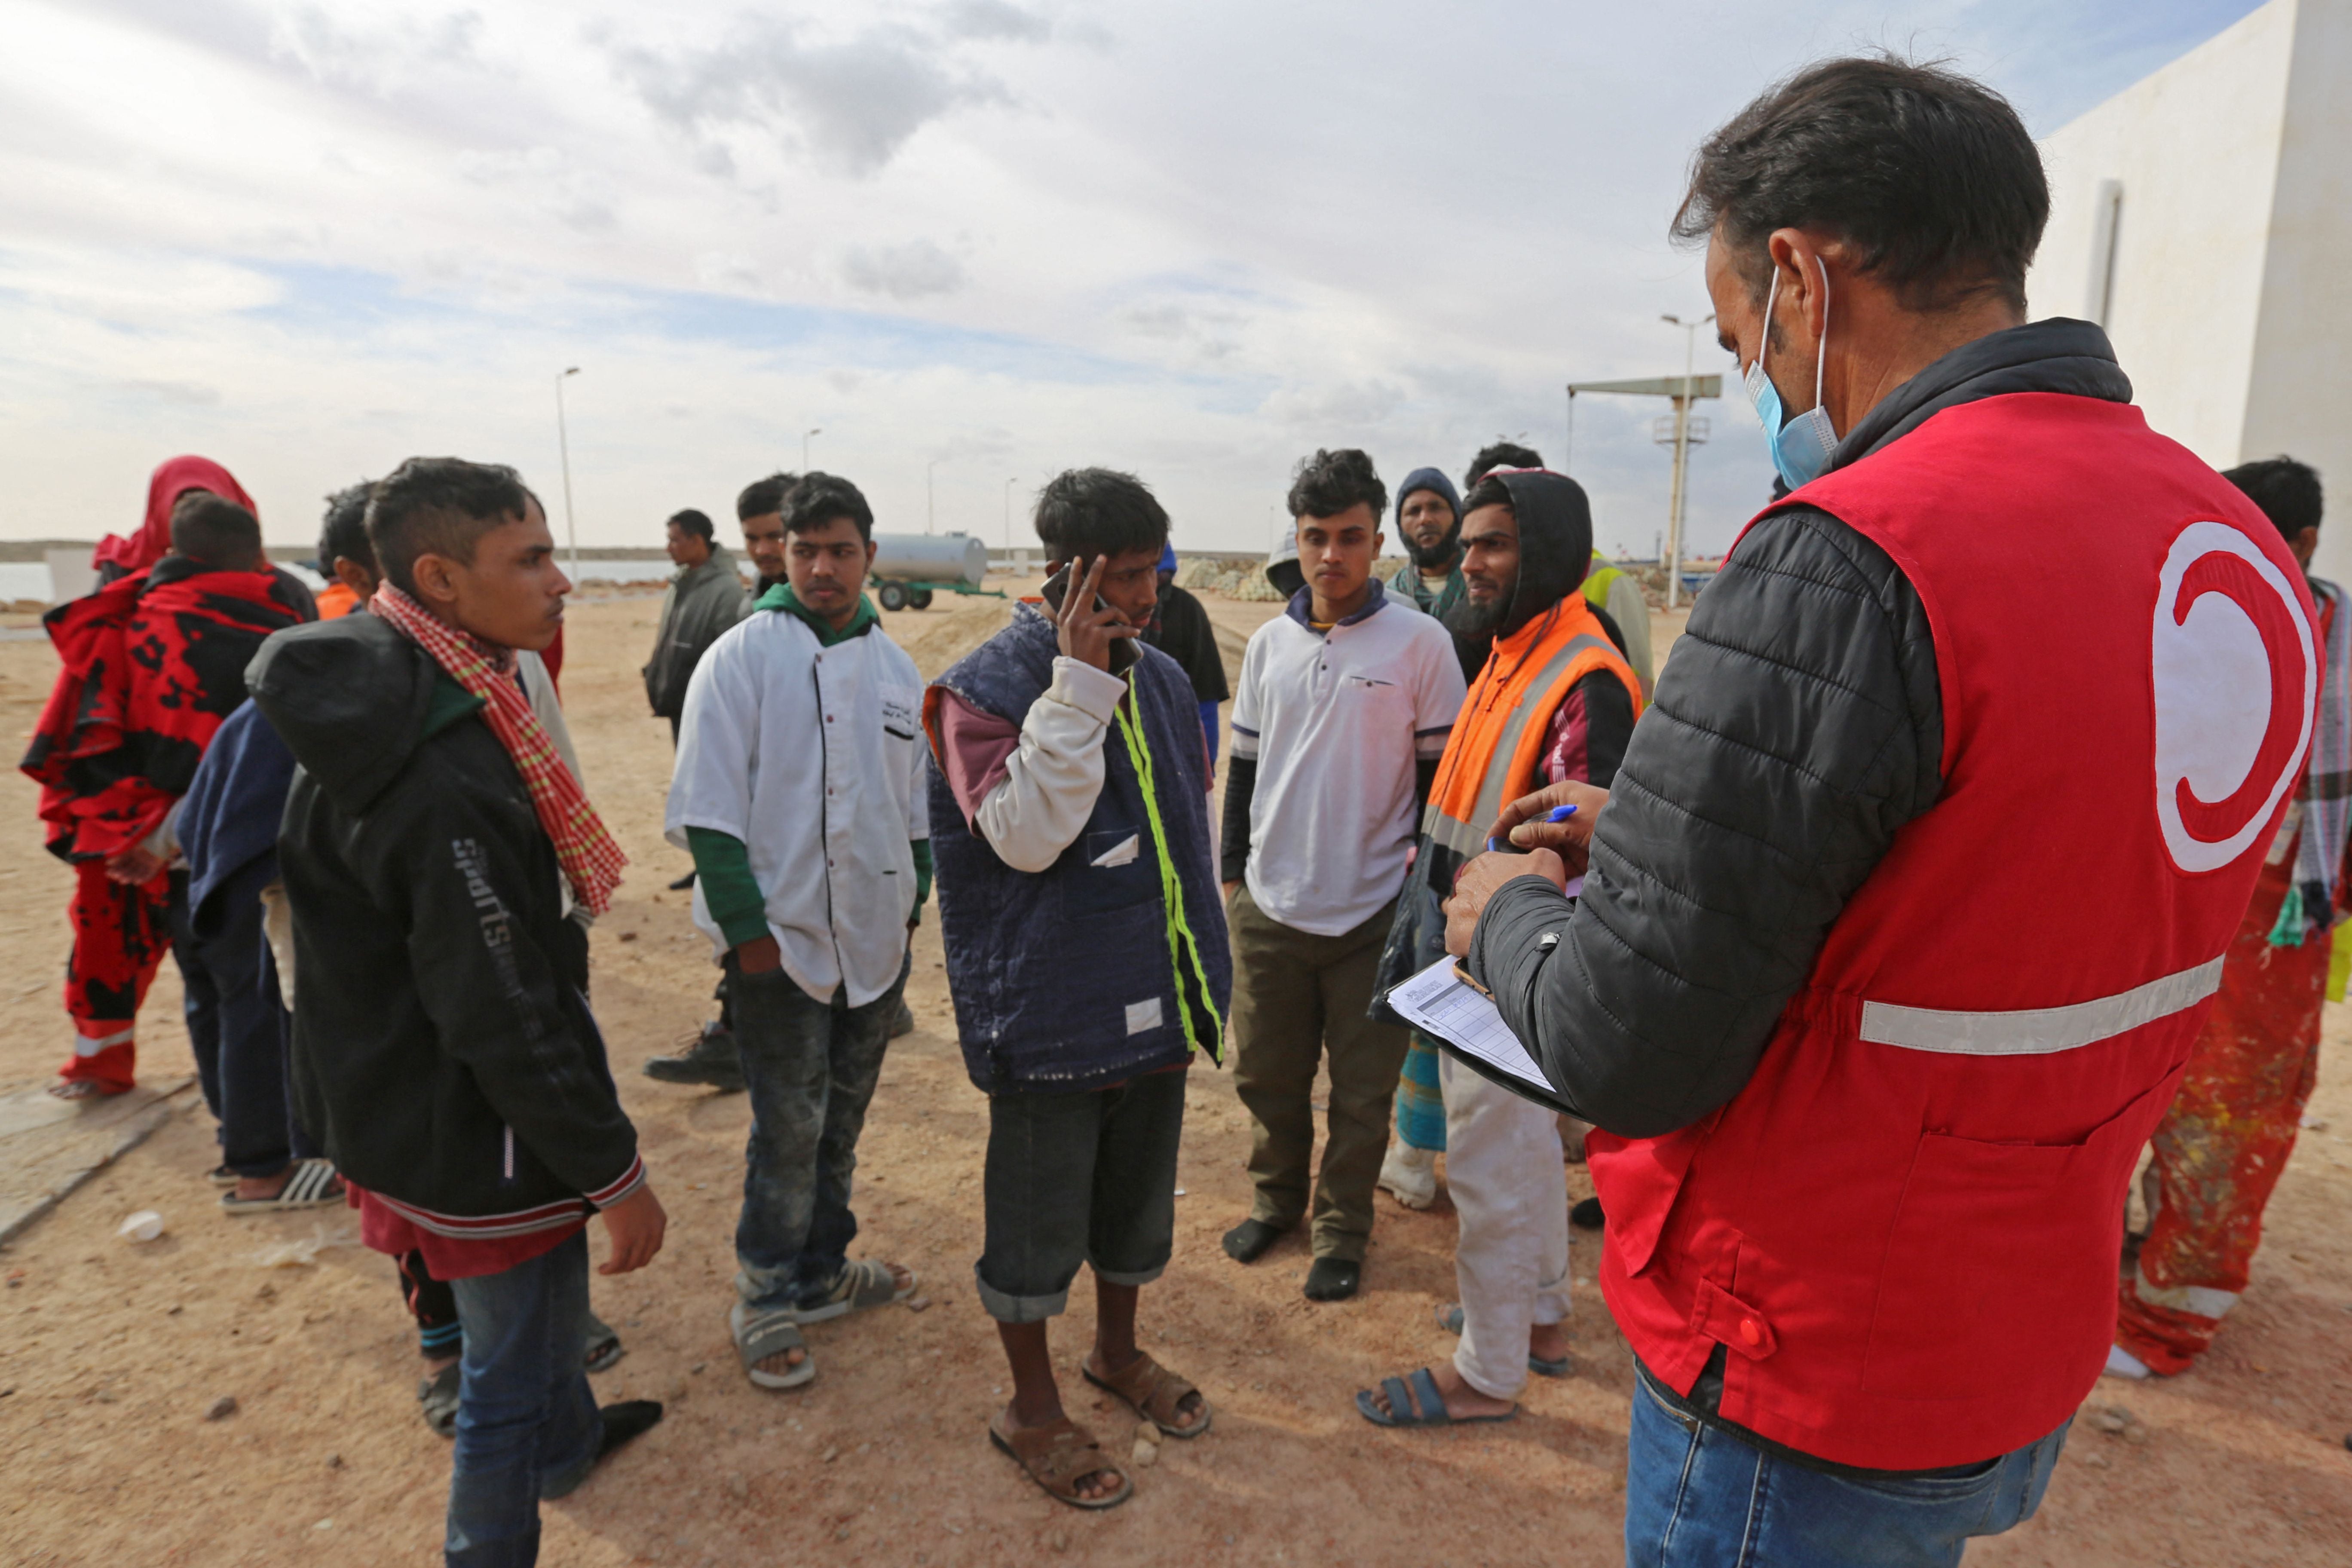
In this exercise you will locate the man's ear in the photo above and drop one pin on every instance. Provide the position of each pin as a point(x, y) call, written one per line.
point(870, 548)
point(354, 576)
point(435, 578)
point(1379, 539)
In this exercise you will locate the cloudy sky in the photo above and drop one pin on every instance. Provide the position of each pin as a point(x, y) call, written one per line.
point(971, 241)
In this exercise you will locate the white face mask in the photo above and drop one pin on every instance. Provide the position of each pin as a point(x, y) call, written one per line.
point(1801, 447)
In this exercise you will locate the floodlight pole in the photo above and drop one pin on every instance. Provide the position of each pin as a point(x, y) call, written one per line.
point(1682, 456)
point(1009, 483)
point(564, 451)
point(814, 430)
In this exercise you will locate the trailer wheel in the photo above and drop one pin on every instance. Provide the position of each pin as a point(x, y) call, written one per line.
point(893, 596)
point(921, 599)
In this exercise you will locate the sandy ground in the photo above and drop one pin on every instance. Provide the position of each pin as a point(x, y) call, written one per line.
point(115, 1351)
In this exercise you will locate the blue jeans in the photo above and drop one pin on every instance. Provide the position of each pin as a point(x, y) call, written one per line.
point(1697, 1497)
point(811, 1068)
point(526, 1421)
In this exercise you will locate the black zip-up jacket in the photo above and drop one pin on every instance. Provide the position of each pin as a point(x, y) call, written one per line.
point(1797, 726)
point(444, 1050)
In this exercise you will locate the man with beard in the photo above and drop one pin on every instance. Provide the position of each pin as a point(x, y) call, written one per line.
point(1429, 520)
point(1555, 702)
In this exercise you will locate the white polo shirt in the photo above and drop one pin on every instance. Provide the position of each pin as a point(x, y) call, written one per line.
point(1336, 722)
point(815, 758)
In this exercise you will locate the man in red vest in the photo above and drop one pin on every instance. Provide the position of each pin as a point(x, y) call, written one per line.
point(1866, 1095)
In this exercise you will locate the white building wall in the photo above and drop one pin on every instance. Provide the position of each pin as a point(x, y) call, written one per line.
point(2300, 399)
point(2196, 148)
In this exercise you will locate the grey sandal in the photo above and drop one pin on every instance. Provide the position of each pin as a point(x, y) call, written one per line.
point(312, 1184)
point(761, 1334)
point(864, 1283)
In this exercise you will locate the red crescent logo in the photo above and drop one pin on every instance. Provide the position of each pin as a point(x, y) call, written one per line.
point(2235, 677)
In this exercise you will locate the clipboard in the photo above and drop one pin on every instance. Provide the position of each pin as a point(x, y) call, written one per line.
point(1462, 1020)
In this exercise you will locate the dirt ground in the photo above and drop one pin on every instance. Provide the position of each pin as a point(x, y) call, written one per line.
point(116, 1351)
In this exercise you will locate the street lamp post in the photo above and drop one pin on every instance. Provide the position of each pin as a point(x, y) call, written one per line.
point(930, 498)
point(564, 451)
point(812, 430)
point(1009, 483)
point(1682, 456)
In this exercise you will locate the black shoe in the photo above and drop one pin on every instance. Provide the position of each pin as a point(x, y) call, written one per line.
point(710, 1058)
point(1247, 1242)
point(1333, 1279)
point(1586, 1215)
point(904, 1023)
point(621, 1422)
point(682, 883)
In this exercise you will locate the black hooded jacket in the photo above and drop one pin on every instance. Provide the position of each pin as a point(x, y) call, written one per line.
point(1797, 728)
point(443, 1045)
point(1555, 524)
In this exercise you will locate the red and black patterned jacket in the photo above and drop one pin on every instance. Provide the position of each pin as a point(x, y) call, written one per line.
point(153, 662)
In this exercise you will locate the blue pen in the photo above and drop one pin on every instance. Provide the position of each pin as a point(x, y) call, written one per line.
point(1557, 814)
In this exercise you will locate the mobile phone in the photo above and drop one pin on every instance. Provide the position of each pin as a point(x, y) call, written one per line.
point(1057, 587)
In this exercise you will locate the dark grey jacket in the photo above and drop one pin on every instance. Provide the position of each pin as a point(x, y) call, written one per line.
point(1797, 727)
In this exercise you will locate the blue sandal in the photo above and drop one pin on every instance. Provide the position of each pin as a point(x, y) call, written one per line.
point(1421, 1404)
point(1449, 1317)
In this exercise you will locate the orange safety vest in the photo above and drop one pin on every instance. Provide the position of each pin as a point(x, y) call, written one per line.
point(1507, 717)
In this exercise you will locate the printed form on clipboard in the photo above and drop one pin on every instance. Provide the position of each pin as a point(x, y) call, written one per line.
point(1459, 1017)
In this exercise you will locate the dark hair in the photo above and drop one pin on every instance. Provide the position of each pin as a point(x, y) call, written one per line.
point(694, 522)
point(439, 506)
point(1331, 482)
point(819, 497)
point(1085, 512)
point(214, 532)
point(1929, 175)
point(2286, 490)
point(1489, 492)
point(761, 497)
point(344, 532)
point(1497, 455)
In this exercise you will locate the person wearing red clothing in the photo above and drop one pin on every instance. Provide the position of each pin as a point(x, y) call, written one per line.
point(2220, 1149)
point(1865, 1098)
point(153, 662)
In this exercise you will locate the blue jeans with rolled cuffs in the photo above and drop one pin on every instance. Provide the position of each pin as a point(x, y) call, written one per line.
point(1699, 1496)
point(810, 1067)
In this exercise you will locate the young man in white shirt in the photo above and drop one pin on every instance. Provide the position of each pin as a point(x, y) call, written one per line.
point(799, 790)
point(1344, 707)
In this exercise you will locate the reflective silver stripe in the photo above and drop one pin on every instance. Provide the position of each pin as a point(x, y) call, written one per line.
point(1490, 802)
point(2202, 1300)
point(2038, 1031)
point(1458, 836)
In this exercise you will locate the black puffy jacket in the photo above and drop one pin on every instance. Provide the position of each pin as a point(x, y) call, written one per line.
point(443, 1045)
point(1798, 725)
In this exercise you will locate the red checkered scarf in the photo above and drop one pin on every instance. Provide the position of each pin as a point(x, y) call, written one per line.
point(585, 850)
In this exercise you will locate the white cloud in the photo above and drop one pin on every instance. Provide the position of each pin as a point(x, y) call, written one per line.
point(312, 236)
point(907, 271)
point(851, 102)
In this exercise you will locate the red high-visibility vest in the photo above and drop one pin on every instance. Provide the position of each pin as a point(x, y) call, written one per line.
point(1905, 1228)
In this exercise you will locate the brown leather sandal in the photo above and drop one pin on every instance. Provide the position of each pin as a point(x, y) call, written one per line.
point(1057, 1456)
point(1153, 1392)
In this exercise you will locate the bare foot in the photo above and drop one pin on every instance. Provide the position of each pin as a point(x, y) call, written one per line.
point(1094, 1486)
point(1462, 1401)
point(1192, 1408)
point(262, 1189)
point(783, 1362)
